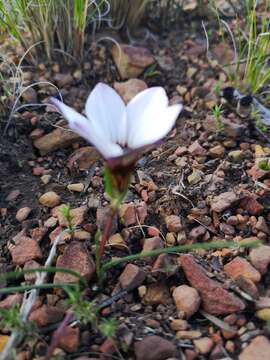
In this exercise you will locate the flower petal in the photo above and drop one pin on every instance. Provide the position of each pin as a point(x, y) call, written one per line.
point(82, 126)
point(149, 117)
point(144, 106)
point(156, 127)
point(107, 111)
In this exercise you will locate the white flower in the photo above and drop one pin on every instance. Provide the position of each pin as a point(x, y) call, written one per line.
point(116, 129)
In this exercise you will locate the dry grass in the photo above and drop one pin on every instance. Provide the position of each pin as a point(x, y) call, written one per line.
point(127, 13)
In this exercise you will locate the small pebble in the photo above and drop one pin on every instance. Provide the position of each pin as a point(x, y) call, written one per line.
point(50, 199)
point(23, 213)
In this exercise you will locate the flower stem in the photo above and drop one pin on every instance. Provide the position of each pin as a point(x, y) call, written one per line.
point(180, 249)
point(106, 233)
point(57, 334)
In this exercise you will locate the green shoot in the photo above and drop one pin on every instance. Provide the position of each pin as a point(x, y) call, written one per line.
point(12, 321)
point(217, 112)
point(84, 311)
point(151, 71)
point(258, 121)
point(67, 217)
point(18, 274)
point(108, 328)
point(264, 165)
point(217, 88)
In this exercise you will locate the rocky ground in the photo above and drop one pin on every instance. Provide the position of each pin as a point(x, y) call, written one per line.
point(200, 185)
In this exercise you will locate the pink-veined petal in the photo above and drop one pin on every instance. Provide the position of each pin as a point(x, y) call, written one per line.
point(107, 111)
point(82, 126)
point(144, 107)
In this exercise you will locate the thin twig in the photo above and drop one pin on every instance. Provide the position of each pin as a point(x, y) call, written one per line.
point(28, 303)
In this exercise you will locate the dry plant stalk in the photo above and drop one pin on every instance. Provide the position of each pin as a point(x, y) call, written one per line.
point(28, 302)
point(127, 13)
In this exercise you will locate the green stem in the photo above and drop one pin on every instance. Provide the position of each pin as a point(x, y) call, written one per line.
point(179, 249)
point(106, 232)
point(17, 274)
point(24, 288)
point(97, 255)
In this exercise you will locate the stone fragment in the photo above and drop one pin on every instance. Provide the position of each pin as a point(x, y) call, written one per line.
point(128, 89)
point(223, 201)
point(263, 302)
point(240, 266)
point(195, 177)
point(188, 334)
point(57, 139)
point(232, 129)
point(260, 258)
point(64, 236)
point(215, 299)
point(127, 214)
point(261, 225)
point(154, 348)
point(196, 149)
point(46, 179)
point(217, 151)
point(77, 215)
point(227, 229)
point(173, 223)
point(22, 213)
point(70, 339)
point(263, 314)
point(179, 324)
point(164, 263)
point(11, 300)
point(131, 61)
point(197, 232)
point(63, 80)
point(247, 285)
point(259, 348)
point(78, 187)
point(82, 235)
point(46, 315)
point(236, 155)
point(13, 195)
point(152, 244)
point(51, 222)
point(251, 205)
point(38, 233)
point(131, 277)
point(157, 294)
point(50, 199)
point(203, 345)
point(108, 348)
point(117, 241)
point(24, 250)
point(75, 257)
point(187, 299)
point(83, 158)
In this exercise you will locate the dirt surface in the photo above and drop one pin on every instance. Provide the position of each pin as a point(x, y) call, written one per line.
point(184, 178)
